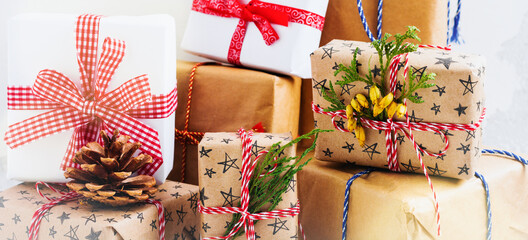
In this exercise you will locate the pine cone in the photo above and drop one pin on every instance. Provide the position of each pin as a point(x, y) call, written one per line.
point(105, 172)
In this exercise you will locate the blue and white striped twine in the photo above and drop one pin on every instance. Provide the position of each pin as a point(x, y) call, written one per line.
point(364, 20)
point(453, 35)
point(478, 175)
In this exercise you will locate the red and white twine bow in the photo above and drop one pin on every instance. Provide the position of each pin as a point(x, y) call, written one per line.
point(390, 127)
point(247, 219)
point(90, 108)
point(71, 196)
point(263, 14)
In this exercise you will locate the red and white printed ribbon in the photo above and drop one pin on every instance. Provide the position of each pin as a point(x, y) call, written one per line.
point(71, 196)
point(91, 108)
point(263, 14)
point(390, 127)
point(247, 219)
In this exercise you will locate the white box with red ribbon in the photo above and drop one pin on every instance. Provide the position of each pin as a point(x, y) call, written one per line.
point(272, 35)
point(71, 76)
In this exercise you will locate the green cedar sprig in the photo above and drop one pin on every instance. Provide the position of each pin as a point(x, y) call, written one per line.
point(387, 50)
point(266, 191)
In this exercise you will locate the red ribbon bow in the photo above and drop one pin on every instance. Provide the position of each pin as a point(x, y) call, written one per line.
point(260, 13)
point(90, 108)
point(247, 219)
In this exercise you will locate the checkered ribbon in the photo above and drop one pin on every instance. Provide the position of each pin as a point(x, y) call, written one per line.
point(262, 14)
point(390, 127)
point(90, 108)
point(72, 196)
point(247, 219)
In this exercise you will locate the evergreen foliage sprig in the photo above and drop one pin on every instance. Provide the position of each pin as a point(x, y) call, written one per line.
point(267, 186)
point(387, 50)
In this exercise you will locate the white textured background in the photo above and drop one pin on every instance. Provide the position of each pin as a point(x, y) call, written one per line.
point(498, 31)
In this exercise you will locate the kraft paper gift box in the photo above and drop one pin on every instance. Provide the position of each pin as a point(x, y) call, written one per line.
point(215, 30)
point(226, 98)
point(48, 41)
point(457, 98)
point(343, 20)
point(81, 220)
point(387, 205)
point(220, 166)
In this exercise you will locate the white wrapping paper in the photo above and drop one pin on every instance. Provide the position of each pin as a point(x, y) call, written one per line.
point(209, 36)
point(40, 41)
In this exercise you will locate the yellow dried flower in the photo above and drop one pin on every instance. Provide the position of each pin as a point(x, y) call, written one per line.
point(349, 111)
point(401, 110)
point(360, 135)
point(352, 123)
point(354, 103)
point(362, 100)
point(385, 101)
point(374, 94)
point(391, 110)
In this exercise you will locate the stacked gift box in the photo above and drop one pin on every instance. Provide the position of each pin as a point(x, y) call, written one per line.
point(211, 149)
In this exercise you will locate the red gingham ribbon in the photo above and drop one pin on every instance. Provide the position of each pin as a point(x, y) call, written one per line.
point(90, 108)
point(260, 13)
point(71, 196)
point(390, 127)
point(247, 219)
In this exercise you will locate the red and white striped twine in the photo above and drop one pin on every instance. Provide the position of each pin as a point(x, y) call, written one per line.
point(390, 127)
point(71, 196)
point(247, 219)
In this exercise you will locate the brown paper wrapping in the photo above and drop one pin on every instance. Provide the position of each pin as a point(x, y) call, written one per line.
point(226, 98)
point(386, 205)
point(220, 164)
point(457, 98)
point(74, 220)
point(343, 22)
point(306, 118)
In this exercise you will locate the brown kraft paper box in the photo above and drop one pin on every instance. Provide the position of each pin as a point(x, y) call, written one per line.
point(342, 20)
point(387, 205)
point(220, 168)
point(457, 98)
point(81, 220)
point(226, 98)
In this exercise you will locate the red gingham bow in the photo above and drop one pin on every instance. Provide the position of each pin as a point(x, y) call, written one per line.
point(90, 108)
point(390, 126)
point(260, 13)
point(247, 219)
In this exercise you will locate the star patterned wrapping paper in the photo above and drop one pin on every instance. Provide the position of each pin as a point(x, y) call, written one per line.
point(220, 165)
point(457, 97)
point(75, 220)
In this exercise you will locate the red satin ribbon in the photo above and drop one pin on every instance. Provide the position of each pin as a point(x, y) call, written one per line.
point(263, 14)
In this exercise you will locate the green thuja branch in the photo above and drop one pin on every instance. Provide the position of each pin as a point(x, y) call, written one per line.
point(267, 186)
point(409, 89)
point(387, 50)
point(331, 96)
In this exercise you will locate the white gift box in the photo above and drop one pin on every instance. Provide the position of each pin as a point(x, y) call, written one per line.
point(210, 36)
point(47, 41)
